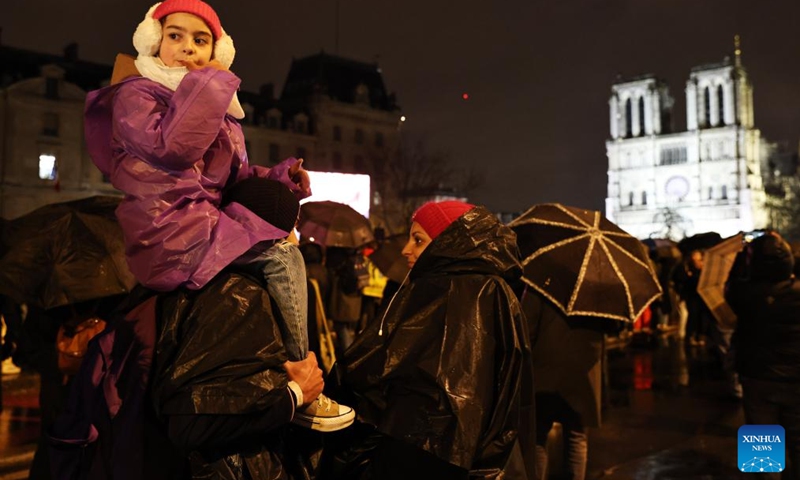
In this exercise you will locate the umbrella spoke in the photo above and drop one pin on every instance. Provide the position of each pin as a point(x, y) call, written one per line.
point(582, 273)
point(628, 253)
point(551, 247)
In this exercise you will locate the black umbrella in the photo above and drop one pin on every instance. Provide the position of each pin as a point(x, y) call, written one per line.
point(334, 225)
point(699, 241)
point(583, 263)
point(64, 253)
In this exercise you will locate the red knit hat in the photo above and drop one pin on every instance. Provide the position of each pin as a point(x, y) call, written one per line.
point(434, 217)
point(195, 7)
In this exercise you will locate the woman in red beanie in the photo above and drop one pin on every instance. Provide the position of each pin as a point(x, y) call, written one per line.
point(440, 379)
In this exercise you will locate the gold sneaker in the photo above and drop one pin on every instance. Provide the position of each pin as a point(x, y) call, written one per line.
point(325, 415)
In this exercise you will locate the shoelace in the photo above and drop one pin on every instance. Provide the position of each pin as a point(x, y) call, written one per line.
point(325, 403)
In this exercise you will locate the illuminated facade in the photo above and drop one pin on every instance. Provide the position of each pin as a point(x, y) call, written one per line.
point(707, 178)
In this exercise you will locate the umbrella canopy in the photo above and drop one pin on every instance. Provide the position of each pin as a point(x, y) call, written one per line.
point(389, 259)
point(699, 241)
point(583, 263)
point(64, 253)
point(334, 225)
point(717, 263)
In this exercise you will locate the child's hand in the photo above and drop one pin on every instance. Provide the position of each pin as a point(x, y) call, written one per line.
point(193, 65)
point(300, 177)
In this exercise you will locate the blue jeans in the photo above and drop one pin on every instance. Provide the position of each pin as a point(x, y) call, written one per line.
point(285, 273)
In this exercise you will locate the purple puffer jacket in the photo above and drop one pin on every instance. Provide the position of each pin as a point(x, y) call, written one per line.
point(172, 153)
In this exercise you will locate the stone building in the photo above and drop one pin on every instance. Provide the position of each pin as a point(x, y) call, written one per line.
point(707, 178)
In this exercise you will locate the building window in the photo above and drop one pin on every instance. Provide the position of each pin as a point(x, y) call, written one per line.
point(337, 161)
point(301, 153)
point(641, 116)
point(710, 193)
point(630, 199)
point(358, 164)
point(673, 155)
point(378, 139)
point(272, 122)
point(274, 153)
point(51, 88)
point(724, 193)
point(300, 127)
point(644, 198)
point(721, 105)
point(359, 138)
point(48, 167)
point(337, 133)
point(707, 106)
point(628, 118)
point(50, 124)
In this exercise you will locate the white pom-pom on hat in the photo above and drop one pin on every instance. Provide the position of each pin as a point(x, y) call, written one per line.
point(147, 40)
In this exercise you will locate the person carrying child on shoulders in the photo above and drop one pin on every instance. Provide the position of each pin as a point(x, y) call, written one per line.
point(166, 133)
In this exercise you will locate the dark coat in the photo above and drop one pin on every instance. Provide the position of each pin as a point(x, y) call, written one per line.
point(567, 355)
point(447, 368)
point(767, 338)
point(219, 355)
point(186, 375)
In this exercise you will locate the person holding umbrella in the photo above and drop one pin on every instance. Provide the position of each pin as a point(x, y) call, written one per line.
point(583, 276)
point(441, 377)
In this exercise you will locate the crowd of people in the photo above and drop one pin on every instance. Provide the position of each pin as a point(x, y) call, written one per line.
point(218, 363)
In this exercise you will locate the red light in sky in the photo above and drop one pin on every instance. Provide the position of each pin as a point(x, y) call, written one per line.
point(465, 96)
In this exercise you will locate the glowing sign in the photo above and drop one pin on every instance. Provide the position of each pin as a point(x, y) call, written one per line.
point(348, 188)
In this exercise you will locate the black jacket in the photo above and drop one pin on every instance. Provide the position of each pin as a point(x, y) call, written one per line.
point(767, 337)
point(447, 368)
point(219, 383)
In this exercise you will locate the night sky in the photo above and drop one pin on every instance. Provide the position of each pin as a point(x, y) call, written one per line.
point(538, 73)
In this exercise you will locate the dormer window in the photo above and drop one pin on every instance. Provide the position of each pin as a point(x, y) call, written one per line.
point(274, 118)
point(301, 123)
point(362, 94)
point(51, 88)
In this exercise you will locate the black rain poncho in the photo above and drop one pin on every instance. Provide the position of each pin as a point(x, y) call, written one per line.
point(218, 381)
point(447, 369)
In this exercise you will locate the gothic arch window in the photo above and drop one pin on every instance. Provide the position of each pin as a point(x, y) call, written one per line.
point(628, 119)
point(707, 106)
point(641, 115)
point(644, 198)
point(720, 105)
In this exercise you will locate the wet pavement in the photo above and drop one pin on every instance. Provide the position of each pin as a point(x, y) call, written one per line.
point(665, 417)
point(19, 424)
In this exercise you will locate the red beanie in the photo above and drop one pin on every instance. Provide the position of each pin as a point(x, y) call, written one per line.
point(434, 217)
point(195, 7)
